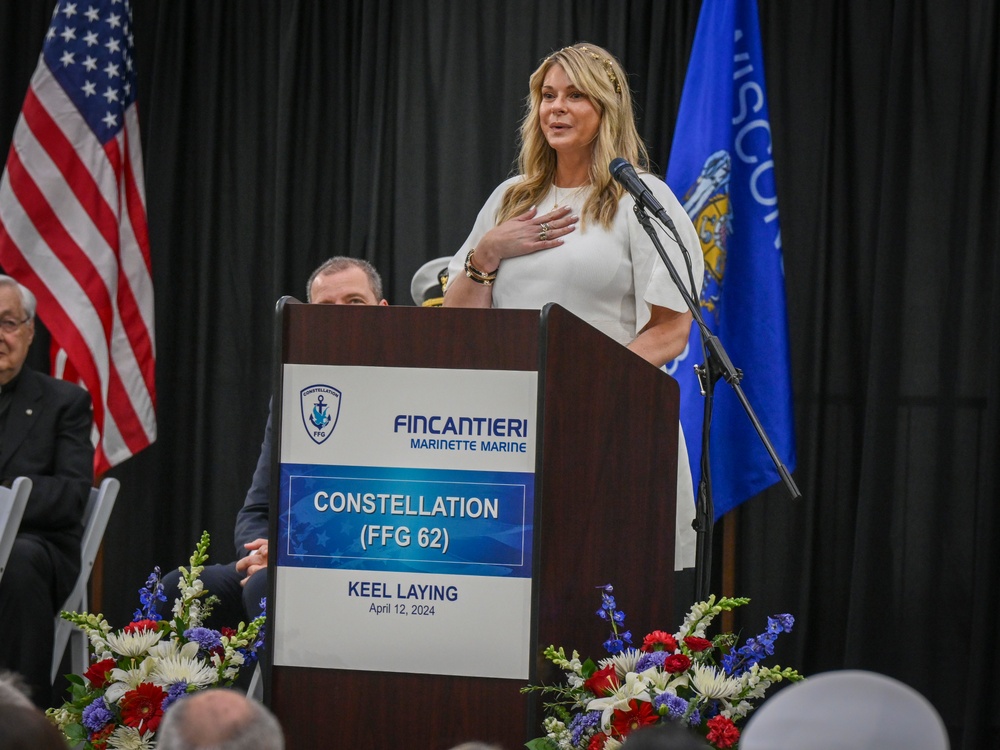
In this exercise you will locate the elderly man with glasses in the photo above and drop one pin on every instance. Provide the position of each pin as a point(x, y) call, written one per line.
point(44, 435)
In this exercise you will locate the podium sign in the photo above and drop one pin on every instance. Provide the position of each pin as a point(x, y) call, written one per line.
point(406, 519)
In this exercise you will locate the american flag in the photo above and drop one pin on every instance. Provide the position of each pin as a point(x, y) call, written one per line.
point(73, 219)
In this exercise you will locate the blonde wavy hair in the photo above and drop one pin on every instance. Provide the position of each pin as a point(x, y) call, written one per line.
point(595, 72)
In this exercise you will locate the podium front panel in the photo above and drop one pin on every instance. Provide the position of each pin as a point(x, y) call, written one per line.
point(406, 518)
point(604, 447)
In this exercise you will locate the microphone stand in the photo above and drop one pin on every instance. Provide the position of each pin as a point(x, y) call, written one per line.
point(717, 365)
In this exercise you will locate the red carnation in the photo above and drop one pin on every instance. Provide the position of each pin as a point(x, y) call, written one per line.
point(659, 641)
point(227, 632)
point(603, 681)
point(722, 732)
point(676, 663)
point(99, 739)
point(639, 714)
point(142, 708)
point(141, 626)
point(598, 741)
point(697, 644)
point(97, 675)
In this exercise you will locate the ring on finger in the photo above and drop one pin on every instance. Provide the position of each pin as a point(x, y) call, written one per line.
point(543, 235)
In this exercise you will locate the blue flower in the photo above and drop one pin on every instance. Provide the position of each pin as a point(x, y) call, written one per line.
point(581, 723)
point(757, 648)
point(149, 595)
point(616, 642)
point(780, 624)
point(675, 705)
point(652, 659)
point(730, 662)
point(174, 692)
point(205, 637)
point(96, 715)
point(249, 656)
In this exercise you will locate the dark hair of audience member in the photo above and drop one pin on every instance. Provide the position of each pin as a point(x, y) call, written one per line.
point(24, 728)
point(667, 736)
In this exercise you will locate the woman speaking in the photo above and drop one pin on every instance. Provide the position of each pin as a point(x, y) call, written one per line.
point(562, 231)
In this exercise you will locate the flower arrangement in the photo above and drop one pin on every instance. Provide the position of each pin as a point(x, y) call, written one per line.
point(138, 671)
point(707, 684)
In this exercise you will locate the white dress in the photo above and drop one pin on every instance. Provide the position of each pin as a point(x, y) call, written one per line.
point(610, 278)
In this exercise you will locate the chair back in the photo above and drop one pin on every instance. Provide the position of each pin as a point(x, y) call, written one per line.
point(846, 710)
point(95, 520)
point(13, 501)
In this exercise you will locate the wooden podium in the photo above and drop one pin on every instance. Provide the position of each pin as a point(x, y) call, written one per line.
point(605, 483)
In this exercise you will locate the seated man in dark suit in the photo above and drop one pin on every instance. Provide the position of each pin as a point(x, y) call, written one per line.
point(44, 435)
point(241, 585)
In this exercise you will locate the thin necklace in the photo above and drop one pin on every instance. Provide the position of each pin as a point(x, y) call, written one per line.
point(565, 196)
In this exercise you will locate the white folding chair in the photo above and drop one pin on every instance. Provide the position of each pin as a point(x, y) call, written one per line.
point(256, 689)
point(12, 504)
point(95, 521)
point(848, 709)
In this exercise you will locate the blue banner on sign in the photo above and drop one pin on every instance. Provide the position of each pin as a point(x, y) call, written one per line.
point(406, 520)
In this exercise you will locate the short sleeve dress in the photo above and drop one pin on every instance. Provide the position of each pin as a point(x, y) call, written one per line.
point(610, 278)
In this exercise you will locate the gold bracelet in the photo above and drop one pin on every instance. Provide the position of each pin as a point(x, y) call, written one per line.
point(480, 277)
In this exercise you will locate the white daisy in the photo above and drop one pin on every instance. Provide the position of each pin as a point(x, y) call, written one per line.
point(129, 738)
point(712, 683)
point(172, 647)
point(175, 665)
point(133, 644)
point(624, 662)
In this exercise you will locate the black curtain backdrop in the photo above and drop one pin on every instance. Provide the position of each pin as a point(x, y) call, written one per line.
point(277, 134)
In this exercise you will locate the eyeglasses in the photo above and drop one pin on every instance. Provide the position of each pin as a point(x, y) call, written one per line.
point(8, 325)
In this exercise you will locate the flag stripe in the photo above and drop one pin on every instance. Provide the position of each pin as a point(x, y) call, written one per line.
point(66, 251)
point(132, 285)
point(75, 173)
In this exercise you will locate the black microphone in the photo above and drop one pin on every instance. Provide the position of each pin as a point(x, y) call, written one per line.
point(625, 173)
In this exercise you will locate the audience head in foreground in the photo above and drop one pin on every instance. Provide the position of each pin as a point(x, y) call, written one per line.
point(13, 691)
point(22, 725)
point(664, 737)
point(846, 709)
point(220, 719)
point(27, 728)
